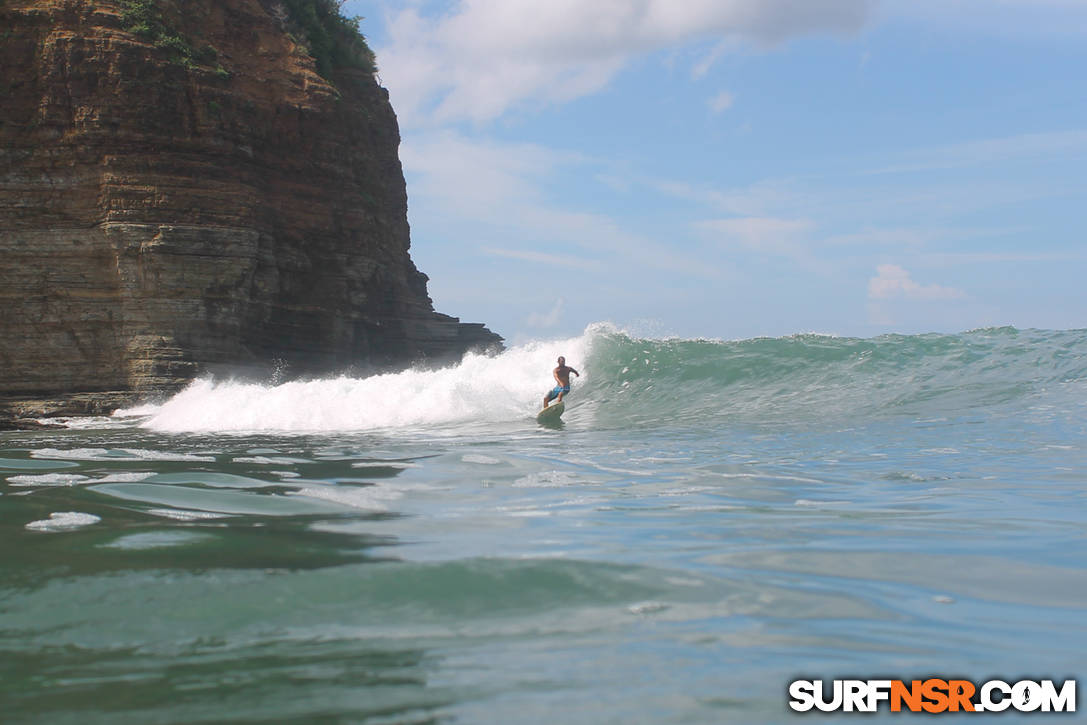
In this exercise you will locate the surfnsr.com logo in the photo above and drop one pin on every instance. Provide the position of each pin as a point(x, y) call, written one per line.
point(932, 696)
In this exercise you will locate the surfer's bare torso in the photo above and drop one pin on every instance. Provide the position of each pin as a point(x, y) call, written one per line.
point(562, 377)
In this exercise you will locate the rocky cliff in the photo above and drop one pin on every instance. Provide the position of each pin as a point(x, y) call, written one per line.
point(192, 185)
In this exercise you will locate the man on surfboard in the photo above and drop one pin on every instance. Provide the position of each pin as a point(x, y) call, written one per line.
point(562, 377)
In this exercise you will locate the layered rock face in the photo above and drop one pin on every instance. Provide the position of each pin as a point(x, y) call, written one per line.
point(162, 216)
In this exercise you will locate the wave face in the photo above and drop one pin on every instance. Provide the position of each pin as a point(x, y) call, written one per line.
point(804, 378)
point(629, 381)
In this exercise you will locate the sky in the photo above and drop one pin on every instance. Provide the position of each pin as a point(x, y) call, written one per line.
point(737, 168)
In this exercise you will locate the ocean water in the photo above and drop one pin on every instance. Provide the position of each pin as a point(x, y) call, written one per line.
point(711, 521)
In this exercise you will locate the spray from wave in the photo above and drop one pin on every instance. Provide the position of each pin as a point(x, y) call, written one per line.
point(630, 381)
point(481, 389)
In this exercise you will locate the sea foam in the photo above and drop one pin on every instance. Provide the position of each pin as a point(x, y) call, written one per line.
point(63, 521)
point(481, 388)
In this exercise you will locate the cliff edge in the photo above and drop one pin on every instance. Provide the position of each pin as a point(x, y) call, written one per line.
point(198, 186)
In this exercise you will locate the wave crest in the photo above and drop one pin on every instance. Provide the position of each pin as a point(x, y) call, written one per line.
point(628, 380)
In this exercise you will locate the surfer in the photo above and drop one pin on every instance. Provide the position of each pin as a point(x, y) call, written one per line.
point(562, 377)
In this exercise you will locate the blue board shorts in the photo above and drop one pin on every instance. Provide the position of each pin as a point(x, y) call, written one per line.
point(564, 389)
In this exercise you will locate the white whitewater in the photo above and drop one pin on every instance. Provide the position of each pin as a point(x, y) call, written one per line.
point(480, 388)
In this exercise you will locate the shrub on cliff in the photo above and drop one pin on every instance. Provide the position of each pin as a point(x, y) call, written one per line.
point(145, 19)
point(333, 40)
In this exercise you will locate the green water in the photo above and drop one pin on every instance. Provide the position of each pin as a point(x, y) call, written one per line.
point(711, 521)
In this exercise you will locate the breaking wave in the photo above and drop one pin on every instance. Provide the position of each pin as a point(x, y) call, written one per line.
point(626, 380)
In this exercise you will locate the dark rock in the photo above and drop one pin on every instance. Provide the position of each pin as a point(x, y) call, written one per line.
point(160, 219)
point(28, 424)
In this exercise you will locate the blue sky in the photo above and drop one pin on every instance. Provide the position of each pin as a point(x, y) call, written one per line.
point(734, 168)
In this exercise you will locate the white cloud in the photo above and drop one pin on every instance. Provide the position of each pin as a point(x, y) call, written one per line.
point(887, 237)
point(839, 197)
point(503, 189)
point(702, 67)
point(478, 178)
point(1031, 19)
point(991, 151)
point(547, 319)
point(557, 260)
point(762, 234)
point(722, 101)
point(758, 199)
point(892, 281)
point(953, 258)
point(919, 237)
point(484, 57)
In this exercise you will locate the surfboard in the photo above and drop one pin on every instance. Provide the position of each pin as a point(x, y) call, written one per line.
point(551, 414)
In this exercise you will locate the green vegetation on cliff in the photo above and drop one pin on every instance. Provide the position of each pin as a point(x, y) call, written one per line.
point(333, 40)
point(145, 18)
